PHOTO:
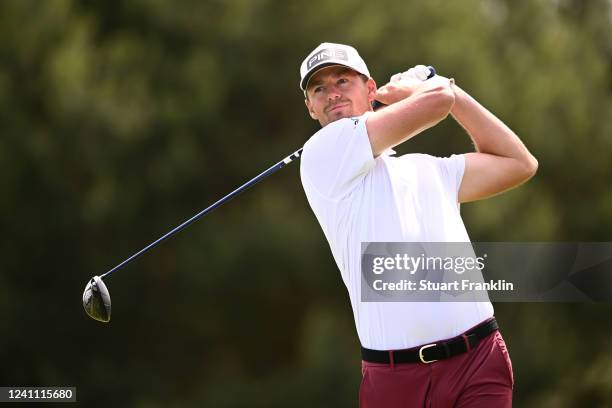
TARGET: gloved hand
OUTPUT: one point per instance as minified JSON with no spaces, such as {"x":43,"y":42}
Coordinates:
{"x":401,"y":85}
{"x":418,"y":72}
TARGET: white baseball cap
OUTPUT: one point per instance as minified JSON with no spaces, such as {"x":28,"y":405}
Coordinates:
{"x":328,"y":54}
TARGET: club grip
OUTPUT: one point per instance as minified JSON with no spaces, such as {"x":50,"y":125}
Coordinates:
{"x":432,"y":72}
{"x":377,"y":104}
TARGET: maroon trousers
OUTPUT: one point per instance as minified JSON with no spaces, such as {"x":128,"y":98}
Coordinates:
{"x":481,"y":377}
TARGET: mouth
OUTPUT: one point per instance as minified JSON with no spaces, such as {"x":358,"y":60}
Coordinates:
{"x":337,"y":107}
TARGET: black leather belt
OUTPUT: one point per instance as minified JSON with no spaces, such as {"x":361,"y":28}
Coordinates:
{"x":429,"y":353}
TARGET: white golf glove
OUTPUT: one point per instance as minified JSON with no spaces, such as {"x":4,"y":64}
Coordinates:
{"x":418,"y":72}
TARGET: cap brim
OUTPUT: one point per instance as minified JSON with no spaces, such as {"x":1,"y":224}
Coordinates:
{"x":309,"y":75}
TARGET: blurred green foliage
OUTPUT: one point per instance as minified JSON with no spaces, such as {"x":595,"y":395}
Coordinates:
{"x":120,"y":119}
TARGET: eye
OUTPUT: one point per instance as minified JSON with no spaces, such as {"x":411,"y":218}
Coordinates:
{"x":317,"y":89}
{"x":342,"y":81}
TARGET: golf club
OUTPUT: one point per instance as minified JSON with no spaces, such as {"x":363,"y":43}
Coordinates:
{"x":96,"y":298}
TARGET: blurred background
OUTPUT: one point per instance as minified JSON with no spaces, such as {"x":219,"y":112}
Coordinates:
{"x":120,"y":119}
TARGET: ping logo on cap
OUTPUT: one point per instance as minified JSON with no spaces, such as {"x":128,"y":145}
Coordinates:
{"x":327,"y":54}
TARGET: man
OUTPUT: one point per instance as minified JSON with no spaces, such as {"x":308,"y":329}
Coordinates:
{"x":414,"y":354}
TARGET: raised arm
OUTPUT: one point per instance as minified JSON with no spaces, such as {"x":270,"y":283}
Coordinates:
{"x":413,"y":108}
{"x":501,"y":162}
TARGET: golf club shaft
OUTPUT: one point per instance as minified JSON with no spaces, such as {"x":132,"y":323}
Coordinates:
{"x":205,"y":211}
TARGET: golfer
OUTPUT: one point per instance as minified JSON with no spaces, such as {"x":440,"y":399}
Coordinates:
{"x":415,"y":354}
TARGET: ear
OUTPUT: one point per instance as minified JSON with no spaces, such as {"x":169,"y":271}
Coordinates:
{"x":371,"y":84}
{"x":310,"y":111}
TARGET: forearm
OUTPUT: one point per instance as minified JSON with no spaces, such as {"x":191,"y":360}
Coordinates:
{"x":489,"y":134}
{"x":410,"y":111}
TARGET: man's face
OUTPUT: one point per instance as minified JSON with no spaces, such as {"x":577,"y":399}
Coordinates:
{"x":338,"y":92}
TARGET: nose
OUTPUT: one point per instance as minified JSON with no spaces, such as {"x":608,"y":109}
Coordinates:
{"x":333,"y":93}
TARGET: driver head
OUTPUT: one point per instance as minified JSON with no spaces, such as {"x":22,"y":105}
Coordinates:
{"x":96,"y":300}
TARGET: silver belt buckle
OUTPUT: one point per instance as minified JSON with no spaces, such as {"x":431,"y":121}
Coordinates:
{"x":421,"y":353}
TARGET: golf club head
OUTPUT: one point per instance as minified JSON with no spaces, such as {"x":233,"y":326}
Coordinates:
{"x":96,"y":300}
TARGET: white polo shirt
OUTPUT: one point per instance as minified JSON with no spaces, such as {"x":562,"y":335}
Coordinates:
{"x":413,"y":198}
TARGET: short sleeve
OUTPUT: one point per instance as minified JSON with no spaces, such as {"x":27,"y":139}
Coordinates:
{"x":451,"y":172}
{"x":336,"y":158}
